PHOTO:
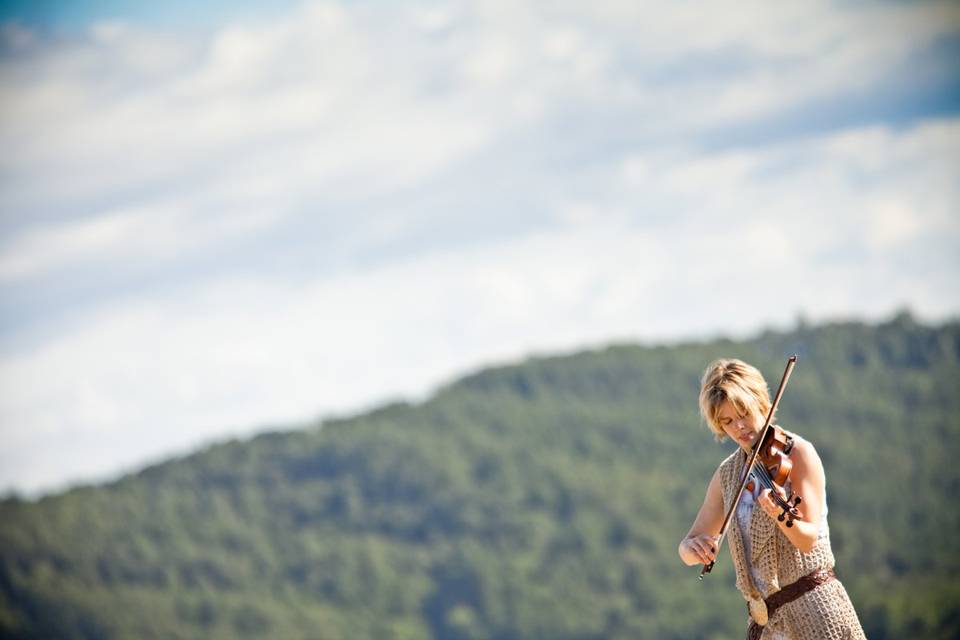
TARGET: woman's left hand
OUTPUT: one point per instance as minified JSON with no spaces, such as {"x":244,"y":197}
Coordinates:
{"x":767,"y":503}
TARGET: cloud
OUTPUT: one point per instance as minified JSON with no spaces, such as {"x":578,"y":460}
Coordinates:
{"x":227,"y":355}
{"x":267,"y":222}
{"x":127,"y":109}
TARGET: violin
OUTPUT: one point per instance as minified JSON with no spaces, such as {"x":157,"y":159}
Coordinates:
{"x":772,"y":469}
{"x":771,"y":453}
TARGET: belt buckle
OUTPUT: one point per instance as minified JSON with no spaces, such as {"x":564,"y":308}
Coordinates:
{"x":758,"y":611}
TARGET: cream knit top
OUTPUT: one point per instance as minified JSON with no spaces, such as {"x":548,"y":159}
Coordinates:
{"x":773,"y":560}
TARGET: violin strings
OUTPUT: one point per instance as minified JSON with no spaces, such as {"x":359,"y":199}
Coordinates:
{"x":762,"y":475}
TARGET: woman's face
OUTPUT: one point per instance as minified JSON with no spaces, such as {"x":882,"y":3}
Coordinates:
{"x":742,"y":429}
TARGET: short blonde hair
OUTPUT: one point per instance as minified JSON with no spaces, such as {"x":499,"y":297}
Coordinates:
{"x":736,"y":381}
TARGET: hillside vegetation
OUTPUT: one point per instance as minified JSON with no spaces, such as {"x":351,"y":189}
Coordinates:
{"x":542,"y":500}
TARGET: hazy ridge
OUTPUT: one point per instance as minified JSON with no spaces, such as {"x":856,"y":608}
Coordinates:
{"x":541,"y":500}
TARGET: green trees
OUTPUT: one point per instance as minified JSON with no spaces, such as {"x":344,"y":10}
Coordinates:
{"x":539,"y":500}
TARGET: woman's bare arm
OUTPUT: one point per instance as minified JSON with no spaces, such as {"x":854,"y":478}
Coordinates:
{"x":700,"y":544}
{"x":809,"y":482}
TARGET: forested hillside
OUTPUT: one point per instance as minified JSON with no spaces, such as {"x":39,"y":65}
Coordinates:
{"x":542,"y":500}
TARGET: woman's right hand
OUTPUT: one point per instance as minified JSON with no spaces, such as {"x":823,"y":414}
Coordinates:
{"x":700,"y":545}
{"x":702,"y":548}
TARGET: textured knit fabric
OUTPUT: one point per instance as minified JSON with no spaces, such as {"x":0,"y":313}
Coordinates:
{"x":744,"y":514}
{"x":824,"y":613}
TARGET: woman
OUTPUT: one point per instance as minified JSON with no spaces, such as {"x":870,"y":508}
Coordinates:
{"x":784,"y":573}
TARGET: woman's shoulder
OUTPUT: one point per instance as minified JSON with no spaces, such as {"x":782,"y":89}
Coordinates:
{"x":804,"y":454}
{"x":801,"y":445}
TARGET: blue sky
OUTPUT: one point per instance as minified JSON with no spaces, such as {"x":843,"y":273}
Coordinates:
{"x":72,"y":16}
{"x":263,"y":213}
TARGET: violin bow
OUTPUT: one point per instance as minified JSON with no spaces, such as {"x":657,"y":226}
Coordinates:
{"x":791,"y":362}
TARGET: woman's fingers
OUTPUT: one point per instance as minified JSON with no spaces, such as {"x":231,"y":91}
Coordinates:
{"x":705,"y":547}
{"x":701,"y":556}
{"x":767,"y":503}
{"x":711,"y":550}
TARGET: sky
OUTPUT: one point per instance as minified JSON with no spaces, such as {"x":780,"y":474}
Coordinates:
{"x":251,"y":216}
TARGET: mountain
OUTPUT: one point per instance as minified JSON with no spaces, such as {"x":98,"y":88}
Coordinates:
{"x":540,"y":500}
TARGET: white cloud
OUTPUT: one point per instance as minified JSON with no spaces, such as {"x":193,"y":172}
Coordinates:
{"x":567,"y":137}
{"x":232,"y":354}
{"x":129,"y":108}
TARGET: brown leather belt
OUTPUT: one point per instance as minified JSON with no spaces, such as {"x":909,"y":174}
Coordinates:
{"x":790,"y":593}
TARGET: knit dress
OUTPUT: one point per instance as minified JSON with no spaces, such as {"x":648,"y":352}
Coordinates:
{"x":825,"y":613}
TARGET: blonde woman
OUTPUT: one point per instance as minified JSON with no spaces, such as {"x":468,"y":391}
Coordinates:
{"x":784,"y":573}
